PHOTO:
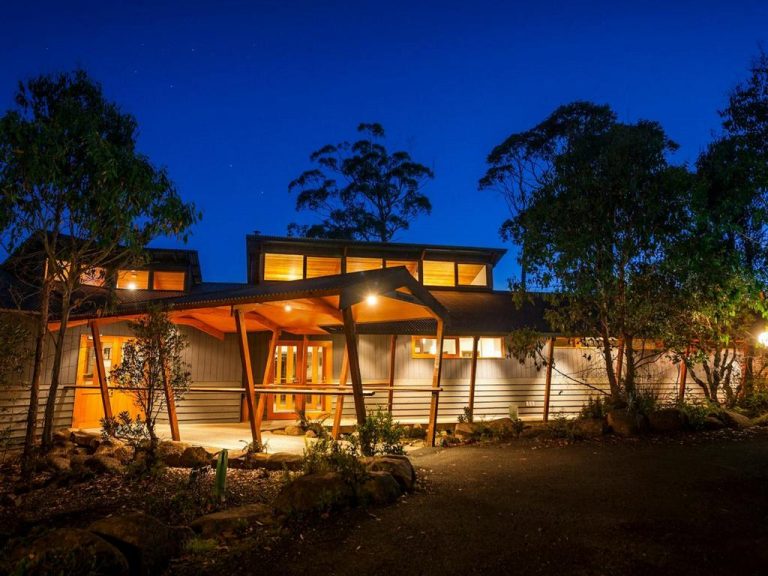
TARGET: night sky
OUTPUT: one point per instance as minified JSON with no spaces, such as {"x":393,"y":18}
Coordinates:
{"x":232,"y":97}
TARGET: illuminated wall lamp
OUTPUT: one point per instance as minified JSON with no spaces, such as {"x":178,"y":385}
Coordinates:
{"x":762,"y":338}
{"x":371,"y":299}
{"x":287,"y":307}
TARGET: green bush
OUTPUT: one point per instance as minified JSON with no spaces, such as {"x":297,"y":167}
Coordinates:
{"x":697,"y":412}
{"x":327,"y":455}
{"x":380,"y":434}
{"x":596,"y":407}
{"x":643,"y":401}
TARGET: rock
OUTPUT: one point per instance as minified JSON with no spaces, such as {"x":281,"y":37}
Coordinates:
{"x":147,"y":543}
{"x":380,"y":488}
{"x":170,"y":452}
{"x":103,"y":464}
{"x":588,"y":427}
{"x":667,"y":420}
{"x":761,"y":420}
{"x":85,"y":439}
{"x":232,"y":519}
{"x":278,"y":432}
{"x":310,"y":434}
{"x":284,"y":460}
{"x":114,"y":449}
{"x":294,"y":431}
{"x":399,"y":467}
{"x":733,"y":419}
{"x":314,"y":493}
{"x":195,"y":457}
{"x":57,"y":463}
{"x":464,"y":430}
{"x":77,"y":462}
{"x":502,"y":426}
{"x":623,"y":423}
{"x":73,"y":552}
{"x":63,"y":436}
{"x":713,"y":423}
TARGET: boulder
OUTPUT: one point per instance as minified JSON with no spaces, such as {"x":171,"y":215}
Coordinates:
{"x":283,"y":461}
{"x":73,"y":552}
{"x":761,"y":420}
{"x":399,"y":467}
{"x":114,"y":449}
{"x":63,"y":436}
{"x":147,"y":543}
{"x":733,"y":419}
{"x":667,"y":420}
{"x":232,"y":519}
{"x":588,"y":427}
{"x":713,"y":423}
{"x":623,"y":423}
{"x":310,"y":434}
{"x":314,"y":493}
{"x":380,"y":488}
{"x":89,"y":440}
{"x":58,"y":464}
{"x":294,"y":431}
{"x":170,"y":452}
{"x":501,"y":426}
{"x":195,"y":457}
{"x":464,"y":430}
{"x":104,"y":464}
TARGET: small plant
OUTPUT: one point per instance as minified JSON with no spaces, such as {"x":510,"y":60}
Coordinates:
{"x":466,"y":417}
{"x":643,"y":401}
{"x":317,"y":425}
{"x":201,"y":546}
{"x":517,"y":423}
{"x":560,"y":427}
{"x":328,"y":455}
{"x":696,"y":413}
{"x":255,"y":447}
{"x":380,"y":434}
{"x":220,"y":482}
{"x":596,"y":407}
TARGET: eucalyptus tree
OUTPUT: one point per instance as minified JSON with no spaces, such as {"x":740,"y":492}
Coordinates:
{"x":76,"y":188}
{"x":361,"y":190}
{"x":597,"y":225}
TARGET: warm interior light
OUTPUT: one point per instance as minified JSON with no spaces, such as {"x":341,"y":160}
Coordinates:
{"x":287,"y":307}
{"x":371,"y":299}
{"x":763,"y":338}
{"x":131,"y":286}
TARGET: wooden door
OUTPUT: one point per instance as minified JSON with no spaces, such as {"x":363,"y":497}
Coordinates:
{"x":89,"y":410}
{"x":318,"y":367}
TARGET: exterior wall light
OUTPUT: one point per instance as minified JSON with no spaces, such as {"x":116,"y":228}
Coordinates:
{"x":762,"y":338}
{"x":372,"y":299}
{"x":287,"y":307}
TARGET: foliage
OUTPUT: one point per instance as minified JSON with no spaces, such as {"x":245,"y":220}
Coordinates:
{"x":220,"y":482}
{"x":124,"y":427}
{"x":526,"y":344}
{"x":327,"y":455}
{"x":559,"y":426}
{"x":73,"y":182}
{"x":696,"y":413}
{"x":377,"y":193}
{"x":148,"y":361}
{"x":380,"y":434}
{"x":643,"y":401}
{"x":517,"y":424}
{"x":466,"y":416}
{"x":317,"y":425}
{"x":201,"y":546}
{"x":254,"y":447}
{"x":595,"y":407}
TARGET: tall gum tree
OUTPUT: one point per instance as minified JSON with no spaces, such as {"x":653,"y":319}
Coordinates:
{"x":74,"y":182}
{"x":361,"y":190}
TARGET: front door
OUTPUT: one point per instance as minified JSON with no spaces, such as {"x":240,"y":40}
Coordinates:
{"x":89,"y":410}
{"x":317,"y":369}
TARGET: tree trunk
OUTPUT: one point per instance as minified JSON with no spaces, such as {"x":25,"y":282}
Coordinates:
{"x":50,"y":404}
{"x":608,"y":357}
{"x":28,"y":456}
{"x":629,"y":354}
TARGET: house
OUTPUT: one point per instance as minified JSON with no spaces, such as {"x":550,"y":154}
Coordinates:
{"x":330,"y":327}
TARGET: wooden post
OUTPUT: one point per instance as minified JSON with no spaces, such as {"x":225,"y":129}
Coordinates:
{"x":100,"y":373}
{"x":340,"y":398}
{"x":245,"y":359}
{"x":301,"y":367}
{"x":620,"y":362}
{"x":354,"y":364}
{"x":268,"y":368}
{"x":473,"y":377}
{"x":392,"y":352}
{"x":436,"y":373}
{"x":548,"y":381}
{"x":170,"y":401}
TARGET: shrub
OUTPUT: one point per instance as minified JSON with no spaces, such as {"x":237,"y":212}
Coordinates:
{"x":517,"y":423}
{"x":643,"y":401}
{"x":755,"y":403}
{"x":696,"y":413}
{"x":596,"y":407}
{"x":560,"y":427}
{"x":328,"y":455}
{"x":466,"y":417}
{"x":380,"y":434}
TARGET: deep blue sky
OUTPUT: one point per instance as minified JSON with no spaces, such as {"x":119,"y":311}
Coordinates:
{"x":232,"y":97}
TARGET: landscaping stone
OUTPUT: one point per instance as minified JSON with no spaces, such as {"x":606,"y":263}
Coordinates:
{"x":114,"y":449}
{"x":380,"y":488}
{"x":170,"y":452}
{"x":73,"y":552}
{"x":147,"y":543}
{"x":464,"y":430}
{"x":63,"y":436}
{"x":58,"y":464}
{"x":761,"y":420}
{"x":284,"y":460}
{"x":314,"y":493}
{"x":195,"y":457}
{"x":104,"y":464}
{"x":85,"y":439}
{"x":294,"y":431}
{"x":667,"y":420}
{"x":232,"y":519}
{"x":588,"y":427}
{"x":713,"y":423}
{"x":501,"y":426}
{"x":310,"y":434}
{"x":623,"y":423}
{"x":399,"y":467}
{"x":733,"y":419}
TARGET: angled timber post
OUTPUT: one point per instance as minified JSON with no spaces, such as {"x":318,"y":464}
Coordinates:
{"x":392,"y":353}
{"x":268,"y":368}
{"x":170,"y":400}
{"x":436,"y":373}
{"x":340,"y":398}
{"x":354,"y":363}
{"x":548,"y":381}
{"x":100,"y":372}
{"x":245,"y":359}
{"x":473,"y":377}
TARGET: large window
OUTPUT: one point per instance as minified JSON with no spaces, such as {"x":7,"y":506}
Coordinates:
{"x":320,"y":266}
{"x":457,"y":347}
{"x":411,"y":265}
{"x":283,"y":266}
{"x":438,"y":273}
{"x":360,"y":264}
{"x":472,"y":275}
{"x":133,"y":279}
{"x":162,"y":280}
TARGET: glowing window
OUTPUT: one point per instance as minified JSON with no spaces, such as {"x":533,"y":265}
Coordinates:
{"x":486,"y":348}
{"x":133,"y":279}
{"x":283,"y":267}
{"x":427,"y":347}
{"x":168,"y":281}
{"x":93,"y":277}
{"x":472,"y":275}
{"x":410,"y":265}
{"x":437,"y":273}
{"x":319,"y":266}
{"x":359,"y":264}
